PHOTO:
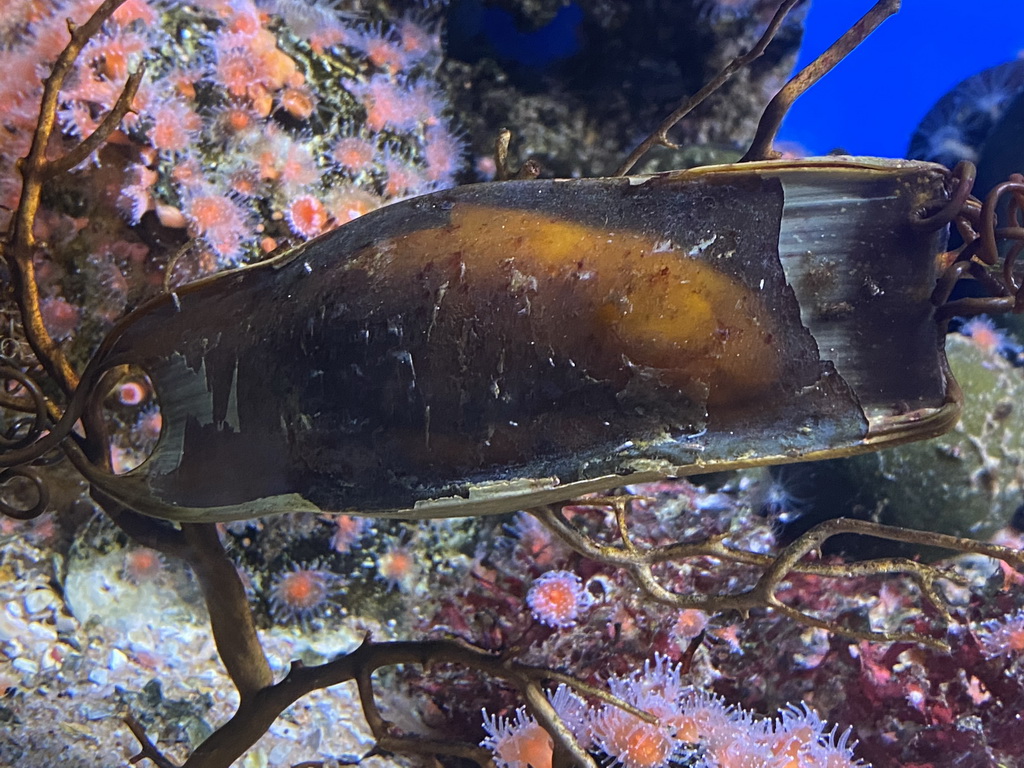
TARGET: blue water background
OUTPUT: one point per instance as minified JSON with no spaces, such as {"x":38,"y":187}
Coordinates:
{"x":871,"y":102}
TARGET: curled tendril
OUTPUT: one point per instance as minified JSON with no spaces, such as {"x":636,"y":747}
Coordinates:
{"x":936,"y":214}
{"x":26,"y":430}
{"x":993,"y":231}
{"x":42,"y":493}
{"x":10,"y":348}
{"x":46,"y":440}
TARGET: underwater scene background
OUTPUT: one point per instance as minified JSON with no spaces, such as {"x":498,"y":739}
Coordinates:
{"x":900,"y":81}
{"x":263,"y":123}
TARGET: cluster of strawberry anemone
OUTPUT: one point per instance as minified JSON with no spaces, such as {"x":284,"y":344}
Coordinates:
{"x":255,"y":123}
{"x":688,"y":723}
